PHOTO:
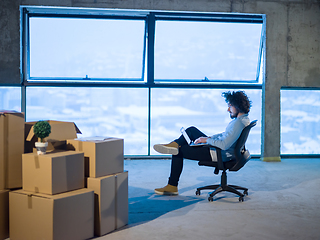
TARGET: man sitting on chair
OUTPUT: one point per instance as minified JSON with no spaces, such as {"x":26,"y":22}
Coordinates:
{"x":238,"y":107}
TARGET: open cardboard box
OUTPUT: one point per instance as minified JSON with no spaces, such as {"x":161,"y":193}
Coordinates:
{"x":11,"y":149}
{"x":60,"y":132}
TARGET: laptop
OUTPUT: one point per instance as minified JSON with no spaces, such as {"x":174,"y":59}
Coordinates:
{"x":191,"y":143}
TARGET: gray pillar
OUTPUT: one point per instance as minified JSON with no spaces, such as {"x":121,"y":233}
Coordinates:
{"x":276,"y":52}
{"x":9,"y":42}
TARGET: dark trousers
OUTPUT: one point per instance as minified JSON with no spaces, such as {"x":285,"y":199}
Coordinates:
{"x":185,"y":151}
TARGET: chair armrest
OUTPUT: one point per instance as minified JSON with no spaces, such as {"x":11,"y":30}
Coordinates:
{"x":219,"y":160}
{"x":218,"y":165}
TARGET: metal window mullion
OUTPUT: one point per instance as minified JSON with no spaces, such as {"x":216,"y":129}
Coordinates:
{"x":149,"y":121}
{"x":150,"y":68}
{"x":24,"y":101}
{"x":260,"y":51}
{"x":25,"y":58}
{"x":150,"y":50}
{"x":144,"y":50}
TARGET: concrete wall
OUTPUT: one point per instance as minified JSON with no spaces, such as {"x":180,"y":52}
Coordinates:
{"x":292,"y":45}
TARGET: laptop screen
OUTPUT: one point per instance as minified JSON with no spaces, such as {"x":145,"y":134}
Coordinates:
{"x":183,"y":131}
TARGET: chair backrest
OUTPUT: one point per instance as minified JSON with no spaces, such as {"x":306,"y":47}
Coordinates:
{"x":242,"y":155}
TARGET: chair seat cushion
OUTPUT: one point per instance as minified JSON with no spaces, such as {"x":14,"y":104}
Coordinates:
{"x":227,"y":165}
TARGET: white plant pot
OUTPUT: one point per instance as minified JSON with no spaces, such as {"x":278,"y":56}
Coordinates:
{"x":41,"y":147}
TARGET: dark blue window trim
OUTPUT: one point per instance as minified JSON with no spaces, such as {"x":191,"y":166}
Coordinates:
{"x":148,"y":55}
{"x":148,"y":51}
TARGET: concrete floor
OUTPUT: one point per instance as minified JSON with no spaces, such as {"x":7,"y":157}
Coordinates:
{"x":283,"y":202}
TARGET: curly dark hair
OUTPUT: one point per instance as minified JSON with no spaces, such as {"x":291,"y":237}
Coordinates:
{"x":239,"y":100}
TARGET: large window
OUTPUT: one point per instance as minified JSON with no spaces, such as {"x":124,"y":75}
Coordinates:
{"x":207,"y":51}
{"x":300,"y":117}
{"x":75,"y":45}
{"x":104,"y":112}
{"x":136,"y":74}
{"x":123,"y":113}
{"x":203,"y":108}
{"x":86,"y":49}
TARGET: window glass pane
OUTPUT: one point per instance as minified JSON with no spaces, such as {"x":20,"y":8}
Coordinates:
{"x":206,"y":109}
{"x":10,"y":98}
{"x":300,"y":117}
{"x":197,"y":50}
{"x":106,"y":112}
{"x":80,"y":48}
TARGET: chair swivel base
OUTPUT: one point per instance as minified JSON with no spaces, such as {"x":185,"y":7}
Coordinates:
{"x":220,"y":188}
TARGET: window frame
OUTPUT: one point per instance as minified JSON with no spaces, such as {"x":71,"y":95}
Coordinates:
{"x":150,"y":17}
{"x":284,"y":154}
{"x":62,"y":80}
{"x":215,"y":17}
{"x":148,"y":67}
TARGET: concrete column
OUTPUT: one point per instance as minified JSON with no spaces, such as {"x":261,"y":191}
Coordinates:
{"x":304,"y":45}
{"x":9,"y":42}
{"x":276,"y":52}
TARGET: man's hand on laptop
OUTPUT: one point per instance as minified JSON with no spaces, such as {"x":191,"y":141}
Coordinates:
{"x":201,"y":140}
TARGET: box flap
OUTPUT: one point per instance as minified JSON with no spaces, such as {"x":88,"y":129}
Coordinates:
{"x":63,"y":122}
{"x":59,"y":131}
{"x":4,"y":112}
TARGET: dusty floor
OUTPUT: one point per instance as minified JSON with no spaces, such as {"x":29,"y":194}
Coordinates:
{"x":283,"y":202}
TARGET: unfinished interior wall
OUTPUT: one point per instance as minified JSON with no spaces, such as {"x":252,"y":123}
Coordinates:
{"x":9,"y":42}
{"x":292,"y":45}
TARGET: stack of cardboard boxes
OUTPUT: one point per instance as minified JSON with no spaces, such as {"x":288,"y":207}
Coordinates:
{"x":53,"y":203}
{"x":105,"y":175}
{"x":75,"y":191}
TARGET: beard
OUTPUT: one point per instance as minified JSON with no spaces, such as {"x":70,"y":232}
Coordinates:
{"x":234,"y":115}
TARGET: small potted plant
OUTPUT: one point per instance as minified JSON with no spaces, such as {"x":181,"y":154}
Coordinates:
{"x":41,"y":129}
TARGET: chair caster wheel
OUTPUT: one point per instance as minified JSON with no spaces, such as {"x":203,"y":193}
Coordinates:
{"x":210,"y":199}
{"x":198,"y":192}
{"x":241,"y":199}
{"x":245,"y":192}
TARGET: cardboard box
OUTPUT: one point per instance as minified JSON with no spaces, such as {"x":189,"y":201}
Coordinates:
{"x":103,"y":156}
{"x":4,"y":214}
{"x":60,"y":132}
{"x":122,"y":207}
{"x":111,"y":202}
{"x":104,"y":204}
{"x":54,"y":172}
{"x":11,"y":149}
{"x":51,"y":217}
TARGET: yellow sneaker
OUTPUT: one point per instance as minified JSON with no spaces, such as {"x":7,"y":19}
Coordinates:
{"x":171,"y":148}
{"x":167,"y":190}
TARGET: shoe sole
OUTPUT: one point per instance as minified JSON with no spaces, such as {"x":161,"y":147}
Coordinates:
{"x":165,"y":150}
{"x":166,"y":193}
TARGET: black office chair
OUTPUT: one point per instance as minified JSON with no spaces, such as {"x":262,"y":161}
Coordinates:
{"x":242,"y":156}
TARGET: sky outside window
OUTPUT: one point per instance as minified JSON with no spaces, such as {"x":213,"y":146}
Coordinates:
{"x":92,"y":48}
{"x":10,"y":98}
{"x":187,"y":50}
{"x":300,"y":118}
{"x":104,"y":112}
